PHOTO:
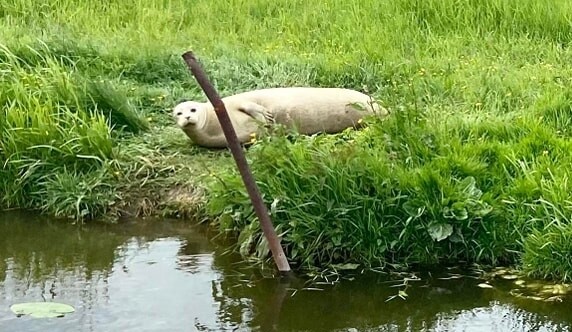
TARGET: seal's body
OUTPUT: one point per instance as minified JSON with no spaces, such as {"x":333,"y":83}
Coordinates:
{"x":313,"y":110}
{"x":304,"y":109}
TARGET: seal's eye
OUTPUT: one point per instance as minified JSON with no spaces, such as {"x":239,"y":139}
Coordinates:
{"x":193,"y":110}
{"x":179,"y":113}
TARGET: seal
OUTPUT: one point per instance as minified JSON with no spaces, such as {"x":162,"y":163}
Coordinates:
{"x":200,"y":123}
{"x":307,"y":110}
{"x":311,"y":110}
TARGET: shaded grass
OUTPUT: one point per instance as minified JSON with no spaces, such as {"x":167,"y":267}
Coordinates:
{"x":479,"y":90}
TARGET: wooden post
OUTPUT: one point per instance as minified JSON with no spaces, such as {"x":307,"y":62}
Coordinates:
{"x":241,"y":163}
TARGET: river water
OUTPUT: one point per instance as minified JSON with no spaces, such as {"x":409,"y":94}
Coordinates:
{"x":161,"y":275}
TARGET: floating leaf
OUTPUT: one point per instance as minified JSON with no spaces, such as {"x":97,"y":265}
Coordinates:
{"x":451,"y":276}
{"x":483,"y":285}
{"x":536,"y":298}
{"x":440,"y":232}
{"x":560,"y":289}
{"x":347,"y":266}
{"x":41,"y":309}
{"x":534,"y":285}
{"x":553,"y":289}
{"x":509,"y":276}
{"x":553,"y":299}
{"x":519,"y":282}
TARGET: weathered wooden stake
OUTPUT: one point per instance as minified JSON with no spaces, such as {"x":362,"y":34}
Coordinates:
{"x":240,"y":159}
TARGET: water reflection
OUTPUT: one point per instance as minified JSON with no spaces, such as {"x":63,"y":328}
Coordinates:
{"x":168,"y":276}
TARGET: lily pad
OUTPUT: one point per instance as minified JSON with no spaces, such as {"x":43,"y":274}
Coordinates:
{"x":41,"y":309}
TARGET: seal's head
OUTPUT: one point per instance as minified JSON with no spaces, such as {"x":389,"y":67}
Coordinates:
{"x":189,"y":113}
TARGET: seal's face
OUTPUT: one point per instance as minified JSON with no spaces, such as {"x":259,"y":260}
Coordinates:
{"x":188,"y":113}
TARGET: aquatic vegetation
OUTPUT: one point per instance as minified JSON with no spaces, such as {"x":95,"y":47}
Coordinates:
{"x":517,"y":284}
{"x":42,"y":309}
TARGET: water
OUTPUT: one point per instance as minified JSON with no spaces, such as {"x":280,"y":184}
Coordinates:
{"x":168,"y":276}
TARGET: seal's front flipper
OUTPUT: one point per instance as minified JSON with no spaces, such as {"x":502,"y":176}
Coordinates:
{"x":258,"y":112}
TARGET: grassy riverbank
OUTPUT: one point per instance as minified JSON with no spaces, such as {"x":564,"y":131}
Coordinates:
{"x":473,"y":164}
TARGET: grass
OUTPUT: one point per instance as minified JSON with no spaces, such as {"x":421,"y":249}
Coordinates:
{"x":476,"y":148}
{"x":546,"y":250}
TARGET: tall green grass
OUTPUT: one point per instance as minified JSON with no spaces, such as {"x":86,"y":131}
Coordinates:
{"x":411,"y":189}
{"x":547,"y":250}
{"x":56,"y":132}
{"x":478,"y":140}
